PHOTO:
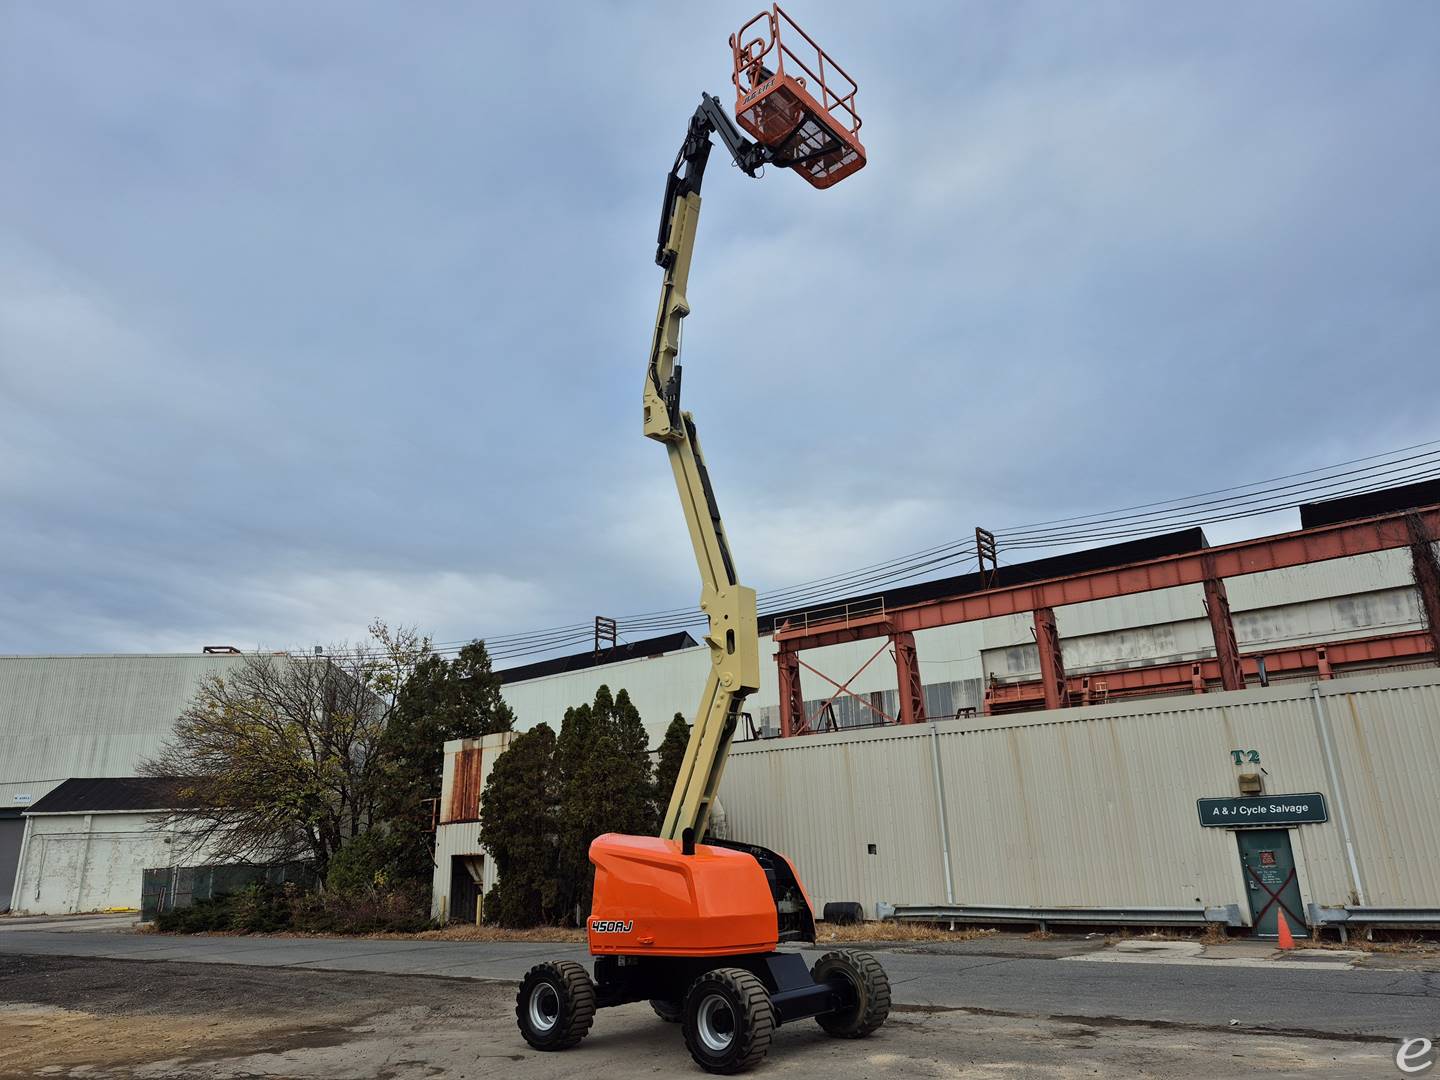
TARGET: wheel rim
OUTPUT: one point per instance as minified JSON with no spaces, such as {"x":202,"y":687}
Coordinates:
{"x":845,"y":980}
{"x":715,"y":1023}
{"x":544,"y":1007}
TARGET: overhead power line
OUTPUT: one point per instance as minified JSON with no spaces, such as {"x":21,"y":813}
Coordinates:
{"x":1409,"y":464}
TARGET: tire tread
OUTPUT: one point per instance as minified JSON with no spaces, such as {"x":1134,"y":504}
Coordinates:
{"x":759,"y":1019}
{"x":579,"y":994}
{"x":874,"y":990}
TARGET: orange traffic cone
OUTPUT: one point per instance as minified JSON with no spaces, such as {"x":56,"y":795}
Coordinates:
{"x":1287,"y":939}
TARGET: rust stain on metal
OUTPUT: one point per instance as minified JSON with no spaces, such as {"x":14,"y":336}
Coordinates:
{"x":465,"y":788}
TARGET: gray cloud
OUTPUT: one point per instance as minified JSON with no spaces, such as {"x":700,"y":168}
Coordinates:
{"x":312,"y":314}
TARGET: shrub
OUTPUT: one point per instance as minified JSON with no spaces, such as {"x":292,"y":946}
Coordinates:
{"x":363,"y":865}
{"x":264,"y":909}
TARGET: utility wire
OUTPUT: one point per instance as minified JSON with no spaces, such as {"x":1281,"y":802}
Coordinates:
{"x":1237,"y":502}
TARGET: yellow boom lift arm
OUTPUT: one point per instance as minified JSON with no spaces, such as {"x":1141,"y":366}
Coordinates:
{"x":733,"y":635}
{"x":696,"y":928}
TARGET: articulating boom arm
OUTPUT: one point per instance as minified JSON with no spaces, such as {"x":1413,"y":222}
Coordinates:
{"x":733,"y":635}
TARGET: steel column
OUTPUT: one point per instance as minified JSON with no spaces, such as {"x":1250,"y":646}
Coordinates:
{"x":1426,"y":570}
{"x":792,"y":701}
{"x":907,"y":678}
{"x":1222,"y":628}
{"x":1052,"y":665}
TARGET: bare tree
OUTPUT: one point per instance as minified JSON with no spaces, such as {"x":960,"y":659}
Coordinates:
{"x":281,"y":756}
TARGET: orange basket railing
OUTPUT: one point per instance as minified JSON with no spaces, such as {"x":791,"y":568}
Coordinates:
{"x":770,"y":53}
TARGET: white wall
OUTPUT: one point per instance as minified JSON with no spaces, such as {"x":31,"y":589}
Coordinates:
{"x":92,"y":862}
{"x":1096,"y":806}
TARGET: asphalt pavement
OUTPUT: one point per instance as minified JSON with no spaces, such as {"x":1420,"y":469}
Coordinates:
{"x":1011,"y":976}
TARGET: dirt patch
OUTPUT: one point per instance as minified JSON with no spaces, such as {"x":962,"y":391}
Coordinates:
{"x":58,"y":1012}
{"x":159,"y":1020}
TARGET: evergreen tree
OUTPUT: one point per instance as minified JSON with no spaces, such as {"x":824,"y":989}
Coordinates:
{"x":441,"y":700}
{"x":672,"y":754}
{"x":603,"y":764}
{"x":518,"y":828}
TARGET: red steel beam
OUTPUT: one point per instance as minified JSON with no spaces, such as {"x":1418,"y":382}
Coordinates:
{"x":907,"y":678}
{"x":1425,"y":569}
{"x":1231,"y":560}
{"x":1222,"y":629}
{"x":1052,"y":664}
{"x":1136,"y":682}
{"x":792,"y":701}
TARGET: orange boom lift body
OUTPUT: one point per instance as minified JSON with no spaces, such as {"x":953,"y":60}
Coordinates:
{"x":700,"y":930}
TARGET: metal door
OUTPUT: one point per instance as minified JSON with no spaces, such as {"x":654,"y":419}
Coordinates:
{"x":464,"y":892}
{"x":1270,"y":881}
{"x":12,"y":831}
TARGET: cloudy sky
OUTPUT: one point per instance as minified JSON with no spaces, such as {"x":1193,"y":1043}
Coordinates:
{"x":316,"y":313}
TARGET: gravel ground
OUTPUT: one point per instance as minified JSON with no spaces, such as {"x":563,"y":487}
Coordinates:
{"x":74,"y":1017}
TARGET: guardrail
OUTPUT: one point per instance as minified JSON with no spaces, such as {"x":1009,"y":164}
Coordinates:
{"x":1227,"y":915}
{"x":1342,"y":918}
{"x":867,"y":612}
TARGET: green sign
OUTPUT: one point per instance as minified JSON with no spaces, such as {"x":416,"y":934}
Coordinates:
{"x":1307,"y":809}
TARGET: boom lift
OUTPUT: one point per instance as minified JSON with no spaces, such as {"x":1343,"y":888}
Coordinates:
{"x":694,"y":927}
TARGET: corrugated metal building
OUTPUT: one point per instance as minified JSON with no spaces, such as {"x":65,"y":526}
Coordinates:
{"x":71,"y":716}
{"x":1088,"y":808}
{"x":1097,"y":807}
{"x":463,"y":872}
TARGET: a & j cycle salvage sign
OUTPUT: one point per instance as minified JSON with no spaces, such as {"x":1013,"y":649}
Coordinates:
{"x":1229,"y":812}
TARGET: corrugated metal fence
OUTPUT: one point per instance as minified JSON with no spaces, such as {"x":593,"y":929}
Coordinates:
{"x":1096,"y":807}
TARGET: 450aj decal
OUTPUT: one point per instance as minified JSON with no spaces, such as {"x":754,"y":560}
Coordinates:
{"x":611,"y":926}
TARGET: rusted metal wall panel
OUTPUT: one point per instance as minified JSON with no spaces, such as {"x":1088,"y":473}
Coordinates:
{"x":463,"y":803}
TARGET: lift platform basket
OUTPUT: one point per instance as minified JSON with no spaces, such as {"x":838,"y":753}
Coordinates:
{"x":790,"y":96}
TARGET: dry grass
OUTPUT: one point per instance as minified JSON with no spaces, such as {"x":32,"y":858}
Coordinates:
{"x":558,"y":934}
{"x":568,"y":935}
{"x":1214,"y":934}
{"x":1395,"y":946}
{"x":825,"y":933}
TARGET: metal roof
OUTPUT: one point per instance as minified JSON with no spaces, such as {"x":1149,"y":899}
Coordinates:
{"x":1370,"y":504}
{"x":101,"y":794}
{"x":637,"y":650}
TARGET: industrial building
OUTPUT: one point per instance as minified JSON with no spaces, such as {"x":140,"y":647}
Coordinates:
{"x":1352,"y":590}
{"x":1117,"y":642}
{"x":1041,"y":742}
{"x":1131,"y":812}
{"x":463,"y":873}
{"x":86,"y":843}
{"x":64,"y":717}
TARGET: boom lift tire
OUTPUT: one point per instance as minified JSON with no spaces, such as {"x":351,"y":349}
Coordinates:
{"x":728,"y":1020}
{"x":556,"y":1005}
{"x":672,"y":1012}
{"x":871,"y":987}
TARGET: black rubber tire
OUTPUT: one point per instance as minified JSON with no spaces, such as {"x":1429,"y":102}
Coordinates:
{"x":672,"y":1012}
{"x":746,"y":1002}
{"x":872,"y":993}
{"x":573,"y":1004}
